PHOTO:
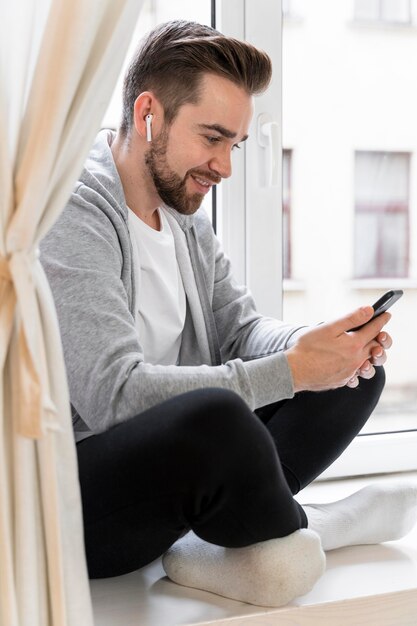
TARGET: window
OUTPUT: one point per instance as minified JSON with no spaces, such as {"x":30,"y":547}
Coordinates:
{"x":349,"y":117}
{"x":291,"y":9}
{"x":381,"y":214}
{"x":286,"y":213}
{"x":395,"y":11}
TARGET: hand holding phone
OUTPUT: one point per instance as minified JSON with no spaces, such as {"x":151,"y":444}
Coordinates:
{"x":382,"y":305}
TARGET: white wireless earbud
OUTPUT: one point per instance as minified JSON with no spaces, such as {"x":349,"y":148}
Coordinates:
{"x":148,"y":120}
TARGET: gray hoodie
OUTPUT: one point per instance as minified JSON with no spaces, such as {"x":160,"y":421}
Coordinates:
{"x":90,"y":263}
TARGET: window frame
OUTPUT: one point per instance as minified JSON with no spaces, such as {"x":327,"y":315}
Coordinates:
{"x":250,"y":212}
{"x":286,"y":8}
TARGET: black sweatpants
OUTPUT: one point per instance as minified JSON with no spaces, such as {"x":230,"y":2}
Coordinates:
{"x":203,"y":461}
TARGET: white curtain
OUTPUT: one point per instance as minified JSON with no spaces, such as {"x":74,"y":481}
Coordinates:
{"x":59,"y":61}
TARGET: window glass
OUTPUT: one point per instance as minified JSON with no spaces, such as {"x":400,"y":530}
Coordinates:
{"x":366,"y":245}
{"x":349,"y":117}
{"x":381,"y":203}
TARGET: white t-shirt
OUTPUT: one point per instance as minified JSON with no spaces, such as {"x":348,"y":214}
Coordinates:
{"x":162,"y":306}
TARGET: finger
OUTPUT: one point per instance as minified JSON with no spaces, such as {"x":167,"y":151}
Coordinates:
{"x":385,"y":340}
{"x":378,"y":356}
{"x":368,"y":372}
{"x":373,"y":328}
{"x":356,"y":318}
{"x":366,"y":365}
{"x":353,"y":382}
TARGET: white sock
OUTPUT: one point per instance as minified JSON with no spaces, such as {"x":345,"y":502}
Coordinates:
{"x":270,"y":573}
{"x":380,"y":512}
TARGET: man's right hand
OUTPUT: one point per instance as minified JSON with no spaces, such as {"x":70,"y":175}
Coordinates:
{"x":329,"y":356}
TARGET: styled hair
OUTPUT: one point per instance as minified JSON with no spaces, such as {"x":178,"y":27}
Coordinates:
{"x":173,"y":58}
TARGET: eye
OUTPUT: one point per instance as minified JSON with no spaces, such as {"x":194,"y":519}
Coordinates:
{"x":236,"y":146}
{"x":213,"y":139}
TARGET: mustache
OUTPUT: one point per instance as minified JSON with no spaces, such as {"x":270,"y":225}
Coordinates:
{"x":213,"y":178}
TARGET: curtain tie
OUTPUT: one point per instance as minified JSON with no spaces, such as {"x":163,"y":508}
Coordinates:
{"x":30,"y":399}
{"x":4,"y":269}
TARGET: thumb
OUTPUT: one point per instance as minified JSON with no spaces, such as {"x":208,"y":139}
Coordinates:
{"x":354,"y":319}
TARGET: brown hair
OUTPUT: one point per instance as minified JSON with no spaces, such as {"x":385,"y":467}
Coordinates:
{"x":173,"y":58}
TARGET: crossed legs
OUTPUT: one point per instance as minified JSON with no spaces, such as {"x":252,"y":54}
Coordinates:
{"x":204,"y":462}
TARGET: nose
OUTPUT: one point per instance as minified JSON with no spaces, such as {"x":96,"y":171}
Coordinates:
{"x":221,"y":164}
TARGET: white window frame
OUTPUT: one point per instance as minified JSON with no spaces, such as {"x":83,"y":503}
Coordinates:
{"x":250,"y":225}
{"x":250,"y":214}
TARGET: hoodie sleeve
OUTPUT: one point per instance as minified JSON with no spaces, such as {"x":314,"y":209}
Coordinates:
{"x":109,"y":381}
{"x":242,"y":331}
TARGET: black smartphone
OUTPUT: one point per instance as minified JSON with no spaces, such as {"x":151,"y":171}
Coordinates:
{"x":383,"y":304}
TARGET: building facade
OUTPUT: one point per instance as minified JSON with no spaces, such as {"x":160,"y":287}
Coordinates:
{"x":350,"y":171}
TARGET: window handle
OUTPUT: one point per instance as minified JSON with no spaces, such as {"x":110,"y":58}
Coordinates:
{"x":268,"y":138}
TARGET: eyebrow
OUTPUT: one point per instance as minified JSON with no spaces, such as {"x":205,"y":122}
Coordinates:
{"x":222,"y":130}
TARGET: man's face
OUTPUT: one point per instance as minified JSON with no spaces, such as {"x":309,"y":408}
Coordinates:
{"x":193,"y":153}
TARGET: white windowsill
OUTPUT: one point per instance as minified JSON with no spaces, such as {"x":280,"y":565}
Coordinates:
{"x":363,"y":585}
{"x":376,"y":454}
{"x":290,"y":284}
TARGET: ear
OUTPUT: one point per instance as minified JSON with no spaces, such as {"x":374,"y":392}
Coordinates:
{"x":146,"y":104}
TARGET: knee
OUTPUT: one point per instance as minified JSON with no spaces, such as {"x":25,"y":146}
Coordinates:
{"x":224,"y":426}
{"x":219,"y":411}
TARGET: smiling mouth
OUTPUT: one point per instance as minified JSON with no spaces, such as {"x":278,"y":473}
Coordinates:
{"x":206,"y":182}
{"x":202,"y":182}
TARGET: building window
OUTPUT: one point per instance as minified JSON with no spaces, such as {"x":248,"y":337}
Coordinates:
{"x":381,"y":214}
{"x":393,"y":11}
{"x":286,"y":206}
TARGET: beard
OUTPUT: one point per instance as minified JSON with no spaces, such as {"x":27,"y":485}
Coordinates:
{"x":170,"y":186}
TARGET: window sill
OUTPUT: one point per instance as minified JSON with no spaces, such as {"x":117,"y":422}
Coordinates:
{"x":292,"y":285}
{"x":289,"y":284}
{"x":363,"y":585}
{"x":364,"y":24}
{"x":382,"y":283}
{"x":376,"y":454}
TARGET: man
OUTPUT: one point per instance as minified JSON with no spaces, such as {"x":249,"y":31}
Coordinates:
{"x":191,"y":411}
